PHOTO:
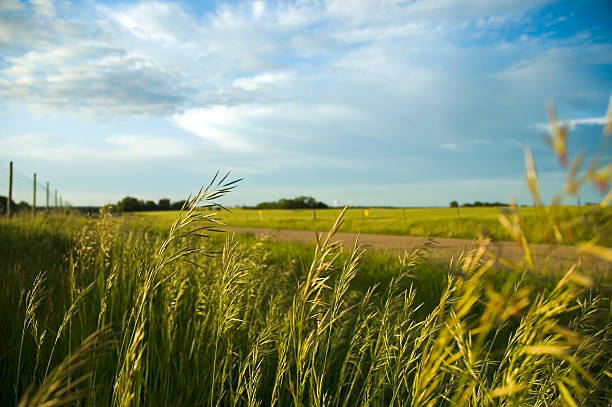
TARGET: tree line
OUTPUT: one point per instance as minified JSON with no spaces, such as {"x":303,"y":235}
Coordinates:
{"x":476,"y":204}
{"x":15,"y":206}
{"x":300,"y":202}
{"x":131,"y":204}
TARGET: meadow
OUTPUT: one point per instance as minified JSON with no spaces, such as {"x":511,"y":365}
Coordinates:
{"x":577,"y":222}
{"x":125,"y":311}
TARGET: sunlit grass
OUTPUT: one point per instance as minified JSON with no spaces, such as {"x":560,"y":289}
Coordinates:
{"x":439,"y":222}
{"x":268,"y":323}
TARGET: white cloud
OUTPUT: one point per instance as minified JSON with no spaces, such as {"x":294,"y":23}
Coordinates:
{"x":154,"y":21}
{"x":22,"y":31}
{"x":265,"y":128}
{"x":116,"y":147}
{"x":221,"y":124}
{"x":11,"y":5}
{"x":450,"y":146}
{"x":259,"y":7}
{"x":309,"y":45}
{"x":139,"y":146}
{"x":154,"y":58}
{"x":589,"y":121}
{"x":96,"y":81}
{"x":573,"y":123}
{"x":37,"y":146}
{"x":44,"y":8}
{"x":554,"y":64}
{"x":271,"y":78}
{"x":381,"y":33}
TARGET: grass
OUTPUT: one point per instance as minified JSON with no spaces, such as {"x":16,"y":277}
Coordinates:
{"x":440,"y":222}
{"x":123,"y":312}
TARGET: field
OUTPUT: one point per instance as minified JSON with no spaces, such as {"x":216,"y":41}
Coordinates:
{"x":140,"y":310}
{"x":576,"y":222}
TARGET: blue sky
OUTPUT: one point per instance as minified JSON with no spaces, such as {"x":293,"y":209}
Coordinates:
{"x":370,"y":102}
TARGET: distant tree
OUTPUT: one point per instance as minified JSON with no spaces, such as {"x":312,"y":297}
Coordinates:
{"x":454,"y":204}
{"x":300,"y":202}
{"x":177,"y":205}
{"x":129,"y":204}
{"x":3,"y":201}
{"x":23,"y":205}
{"x":164,"y":204}
{"x":150,"y":206}
{"x":483,"y":204}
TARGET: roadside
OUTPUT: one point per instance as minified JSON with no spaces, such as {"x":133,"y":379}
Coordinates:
{"x":548,"y":257}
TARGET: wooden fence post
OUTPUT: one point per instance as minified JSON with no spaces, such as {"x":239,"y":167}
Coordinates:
{"x":10,"y":191}
{"x":34,"y":197}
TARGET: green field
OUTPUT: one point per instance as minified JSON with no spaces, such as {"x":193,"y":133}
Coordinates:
{"x":576,"y":222}
{"x":126,"y":311}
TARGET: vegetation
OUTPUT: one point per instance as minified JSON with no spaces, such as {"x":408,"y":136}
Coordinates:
{"x":578,"y":223}
{"x":477,"y":204}
{"x":300,"y":202}
{"x":131,"y":204}
{"x":130,"y":318}
{"x":15,"y":207}
{"x":121,"y":311}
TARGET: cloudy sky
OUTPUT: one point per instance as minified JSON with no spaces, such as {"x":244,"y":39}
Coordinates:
{"x":373,"y":102}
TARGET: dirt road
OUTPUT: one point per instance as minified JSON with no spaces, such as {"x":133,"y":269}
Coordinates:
{"x":547,"y":256}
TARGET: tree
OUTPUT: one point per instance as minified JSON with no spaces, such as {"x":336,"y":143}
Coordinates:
{"x":129,"y":204}
{"x":150,"y":206}
{"x":177,"y":205}
{"x":300,"y":202}
{"x":455,"y":204}
{"x":164,"y":204}
{"x":3,"y":201}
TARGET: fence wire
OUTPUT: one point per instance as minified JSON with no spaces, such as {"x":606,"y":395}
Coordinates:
{"x":25,"y":191}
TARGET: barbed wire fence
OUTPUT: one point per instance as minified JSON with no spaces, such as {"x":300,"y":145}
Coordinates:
{"x":27,"y":192}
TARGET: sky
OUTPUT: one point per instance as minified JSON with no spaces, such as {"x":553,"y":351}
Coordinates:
{"x":389,"y":102}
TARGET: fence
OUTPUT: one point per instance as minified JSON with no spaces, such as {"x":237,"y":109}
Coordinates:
{"x":25,"y":193}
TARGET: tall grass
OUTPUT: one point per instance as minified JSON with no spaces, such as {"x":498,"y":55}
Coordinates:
{"x":99,"y":311}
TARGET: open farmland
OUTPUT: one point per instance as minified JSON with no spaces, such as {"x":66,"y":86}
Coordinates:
{"x":580,"y":223}
{"x":130,"y":311}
